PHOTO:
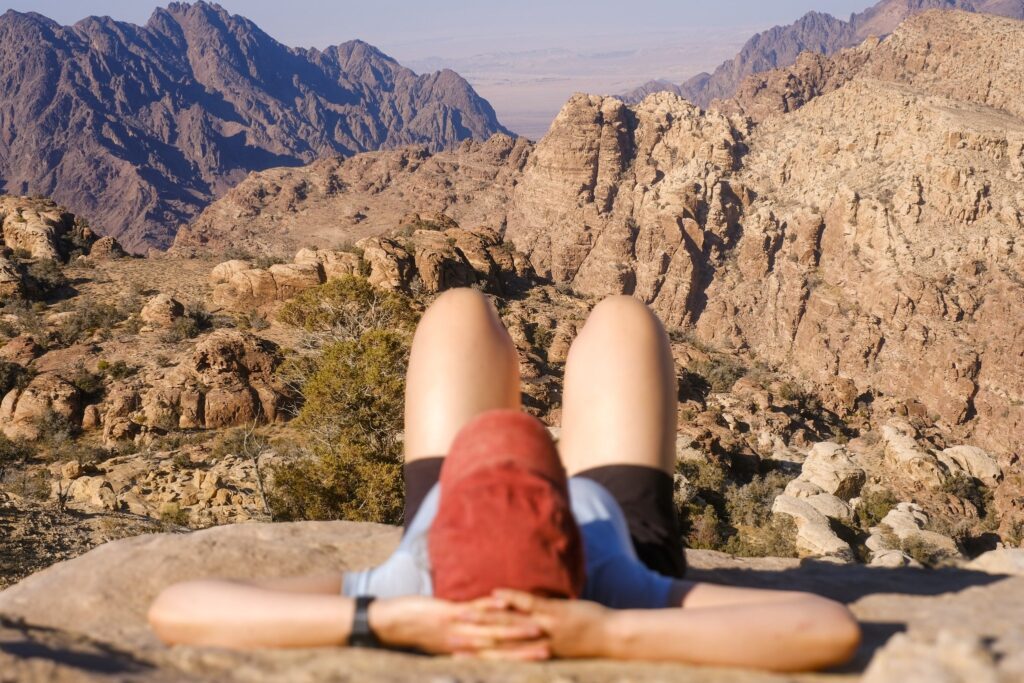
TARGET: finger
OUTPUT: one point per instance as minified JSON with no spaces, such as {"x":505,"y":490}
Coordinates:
{"x":494,"y":618}
{"x":484,"y":636}
{"x":517,"y":600}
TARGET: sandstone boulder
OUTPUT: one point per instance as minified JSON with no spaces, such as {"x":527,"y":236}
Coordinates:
{"x":903,"y":454}
{"x":829,"y":468}
{"x":227,"y":381}
{"x":815,"y":537}
{"x":31,"y":228}
{"x":223,"y":272}
{"x":1009,"y":561}
{"x":161,"y":311}
{"x":22,"y":349}
{"x":102,"y":622}
{"x":106,"y":248}
{"x":10,"y":279}
{"x":907,"y":522}
{"x":335,"y":264}
{"x":391,"y":265}
{"x":973,"y":462}
{"x":22,"y":410}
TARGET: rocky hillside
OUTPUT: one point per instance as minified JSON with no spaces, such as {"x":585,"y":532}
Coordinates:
{"x":721,"y":223}
{"x":815,"y":32}
{"x":139,"y":127}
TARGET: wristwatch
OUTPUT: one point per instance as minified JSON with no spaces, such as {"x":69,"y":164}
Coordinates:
{"x":361,"y":634}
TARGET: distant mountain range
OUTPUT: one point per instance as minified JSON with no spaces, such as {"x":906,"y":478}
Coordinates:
{"x":140,"y":127}
{"x":815,"y":32}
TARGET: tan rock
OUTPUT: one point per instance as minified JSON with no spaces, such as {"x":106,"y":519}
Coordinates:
{"x":21,"y":411}
{"x":907,"y":522}
{"x":22,"y":349}
{"x":106,"y":248}
{"x":973,"y":462}
{"x":1006,"y":561}
{"x":391,"y":266}
{"x":121,"y":578}
{"x":92,"y":418}
{"x":292,"y":278}
{"x":829,"y":467}
{"x":905,"y":456}
{"x":223,"y":272}
{"x":11,"y":284}
{"x":815,"y":537}
{"x":162,"y":310}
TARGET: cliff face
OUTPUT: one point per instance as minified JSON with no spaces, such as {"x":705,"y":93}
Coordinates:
{"x":139,"y":127}
{"x":861,"y":229}
{"x":815,"y":32}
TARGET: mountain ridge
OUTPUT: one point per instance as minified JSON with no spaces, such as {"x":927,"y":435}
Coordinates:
{"x":139,"y":127}
{"x":818,"y":32}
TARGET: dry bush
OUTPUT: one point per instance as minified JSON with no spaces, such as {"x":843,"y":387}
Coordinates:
{"x":350,"y":385}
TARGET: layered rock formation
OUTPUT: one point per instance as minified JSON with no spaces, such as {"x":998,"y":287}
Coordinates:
{"x":832,"y":238}
{"x":140,"y":127}
{"x":333,"y":203}
{"x":817,"y":33}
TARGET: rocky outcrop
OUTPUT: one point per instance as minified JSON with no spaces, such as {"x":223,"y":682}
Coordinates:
{"x":161,"y":311}
{"x":815,"y":33}
{"x":227,"y":380}
{"x":103,"y":621}
{"x":141,"y":126}
{"x":336,"y":202}
{"x":37,"y":229}
{"x":23,"y":411}
{"x":436,"y":255}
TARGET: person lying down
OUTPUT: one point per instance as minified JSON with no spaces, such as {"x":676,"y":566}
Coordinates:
{"x":515,"y":548}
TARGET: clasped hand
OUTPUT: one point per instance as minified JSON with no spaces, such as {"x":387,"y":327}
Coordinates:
{"x":508,"y":625}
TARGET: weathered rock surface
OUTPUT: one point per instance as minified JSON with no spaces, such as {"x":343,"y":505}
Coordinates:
{"x":870,"y":244}
{"x":161,"y":311}
{"x":343,"y":201}
{"x":23,"y":411}
{"x":97,"y":632}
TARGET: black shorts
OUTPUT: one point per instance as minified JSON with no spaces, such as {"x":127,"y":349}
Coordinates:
{"x":643,"y":493}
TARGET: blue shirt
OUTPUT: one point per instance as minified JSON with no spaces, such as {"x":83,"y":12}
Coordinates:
{"x":615,"y":575}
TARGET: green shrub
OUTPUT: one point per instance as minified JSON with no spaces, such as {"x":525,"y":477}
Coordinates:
{"x":707,"y":475}
{"x":704,"y":530}
{"x":45,"y":276}
{"x":13,"y":376}
{"x":720,"y":372}
{"x":874,"y":506}
{"x":751,"y":505}
{"x":352,"y":414}
{"x":347,"y":307}
{"x":12,"y":453}
{"x":776,"y":538}
{"x":86,"y":321}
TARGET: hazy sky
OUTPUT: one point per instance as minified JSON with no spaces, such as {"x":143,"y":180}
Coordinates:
{"x":525,"y":56}
{"x":389,"y":22}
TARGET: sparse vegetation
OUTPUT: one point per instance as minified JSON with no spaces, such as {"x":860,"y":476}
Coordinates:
{"x":351,"y":387}
{"x":720,"y":372}
{"x":734,"y":517}
{"x":874,"y":506}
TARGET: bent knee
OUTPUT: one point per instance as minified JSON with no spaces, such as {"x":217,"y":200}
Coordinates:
{"x":461,"y":306}
{"x":622,"y":318}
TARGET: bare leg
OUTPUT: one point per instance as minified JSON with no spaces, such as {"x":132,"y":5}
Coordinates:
{"x":619,"y":402}
{"x":462,"y":363}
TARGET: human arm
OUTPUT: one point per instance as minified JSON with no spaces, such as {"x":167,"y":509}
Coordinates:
{"x":235,"y":614}
{"x":784,"y":632}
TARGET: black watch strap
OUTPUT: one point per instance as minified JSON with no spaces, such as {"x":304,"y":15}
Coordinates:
{"x":362,"y":635}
